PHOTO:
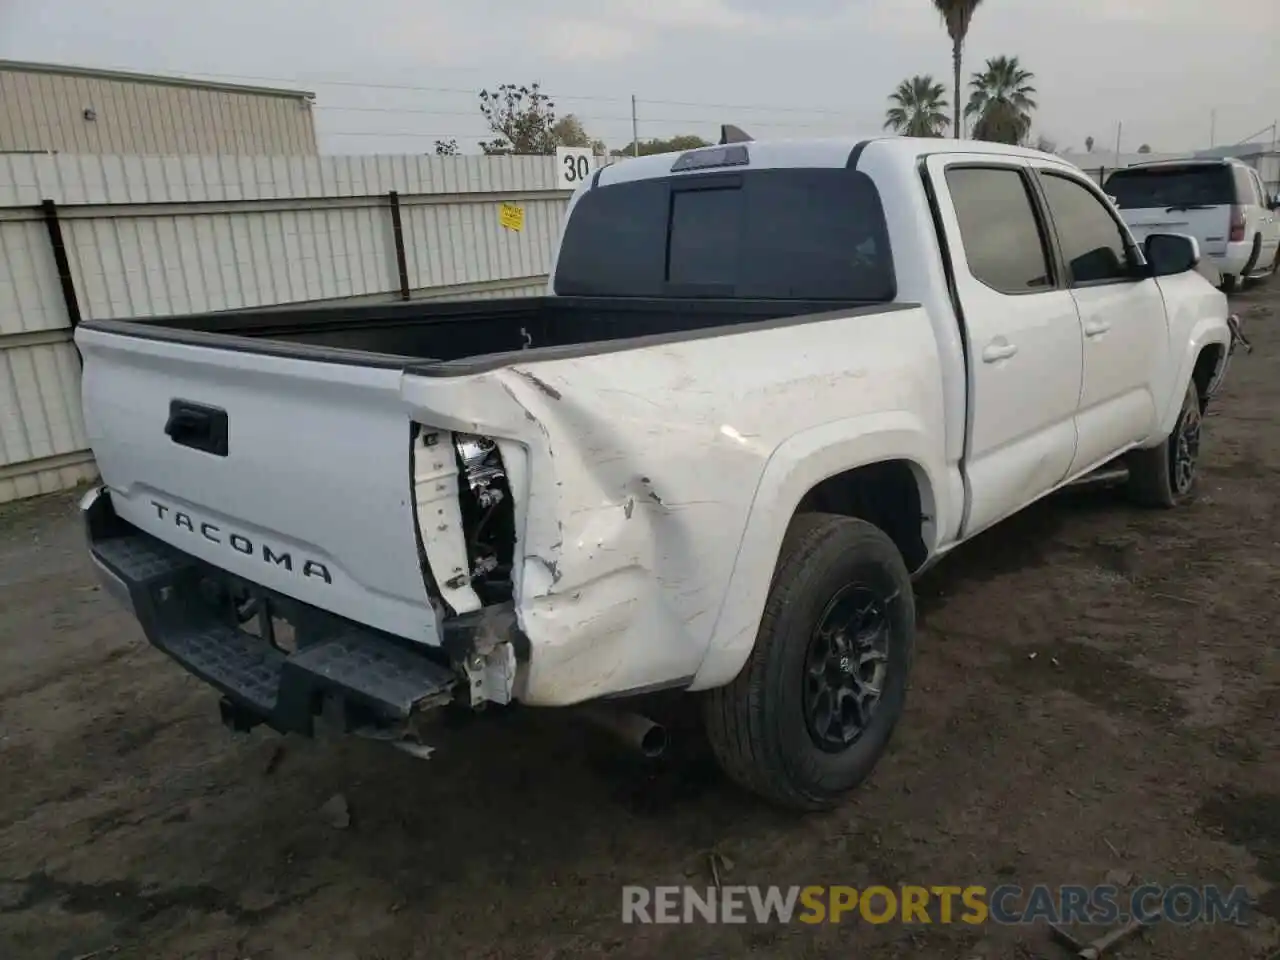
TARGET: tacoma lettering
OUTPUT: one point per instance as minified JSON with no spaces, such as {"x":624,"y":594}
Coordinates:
{"x":311,"y":569}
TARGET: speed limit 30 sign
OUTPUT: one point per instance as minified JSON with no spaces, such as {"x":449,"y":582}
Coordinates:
{"x":573,"y":165}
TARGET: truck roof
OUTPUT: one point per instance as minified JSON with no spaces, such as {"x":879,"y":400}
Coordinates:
{"x":813,"y":152}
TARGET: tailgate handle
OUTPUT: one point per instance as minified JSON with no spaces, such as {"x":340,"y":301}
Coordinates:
{"x":197,"y":426}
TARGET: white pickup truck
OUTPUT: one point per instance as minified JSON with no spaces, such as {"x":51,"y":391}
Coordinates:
{"x":769,"y":384}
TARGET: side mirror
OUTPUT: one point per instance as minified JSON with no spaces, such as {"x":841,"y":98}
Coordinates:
{"x":1169,"y":254}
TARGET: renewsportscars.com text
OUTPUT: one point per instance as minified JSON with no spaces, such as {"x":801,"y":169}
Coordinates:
{"x":972,"y":905}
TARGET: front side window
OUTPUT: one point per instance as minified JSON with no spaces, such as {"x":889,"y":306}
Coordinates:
{"x":1002,"y":240}
{"x":1092,"y":242}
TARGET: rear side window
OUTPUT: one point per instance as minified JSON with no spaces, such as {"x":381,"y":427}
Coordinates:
{"x":998,"y":226}
{"x":1195,"y":185}
{"x":784,"y":234}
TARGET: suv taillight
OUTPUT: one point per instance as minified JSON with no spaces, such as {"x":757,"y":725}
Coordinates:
{"x":1237,"y":224}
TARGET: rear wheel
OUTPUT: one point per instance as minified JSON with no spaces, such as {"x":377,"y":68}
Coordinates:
{"x":1165,"y":476}
{"x":817,"y":702}
{"x":1230,"y":283}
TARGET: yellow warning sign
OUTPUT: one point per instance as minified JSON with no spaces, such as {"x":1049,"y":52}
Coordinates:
{"x":511,"y":216}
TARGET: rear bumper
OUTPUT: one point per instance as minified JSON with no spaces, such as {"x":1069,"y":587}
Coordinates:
{"x":378,"y":680}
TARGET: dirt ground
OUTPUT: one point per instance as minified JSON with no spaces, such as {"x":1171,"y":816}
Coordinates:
{"x":1096,"y":693}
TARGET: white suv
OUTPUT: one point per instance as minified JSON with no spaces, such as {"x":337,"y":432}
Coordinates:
{"x":1222,"y":203}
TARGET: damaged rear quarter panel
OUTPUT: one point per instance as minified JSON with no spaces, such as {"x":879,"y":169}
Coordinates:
{"x":639,"y":469}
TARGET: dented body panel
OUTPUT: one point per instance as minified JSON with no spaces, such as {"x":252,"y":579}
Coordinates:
{"x":644,"y":466}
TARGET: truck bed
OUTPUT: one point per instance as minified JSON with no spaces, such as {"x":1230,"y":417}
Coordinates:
{"x":468,"y":335}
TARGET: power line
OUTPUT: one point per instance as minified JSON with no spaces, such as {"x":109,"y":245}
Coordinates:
{"x":414,"y":133}
{"x":600,"y":118}
{"x":739,"y":106}
{"x":472,"y":91}
{"x":340,"y":108}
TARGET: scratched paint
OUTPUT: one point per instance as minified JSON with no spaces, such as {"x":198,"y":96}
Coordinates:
{"x":639,"y":496}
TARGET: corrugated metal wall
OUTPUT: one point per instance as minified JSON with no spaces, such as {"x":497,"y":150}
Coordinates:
{"x":153,"y":236}
{"x":45,"y":111}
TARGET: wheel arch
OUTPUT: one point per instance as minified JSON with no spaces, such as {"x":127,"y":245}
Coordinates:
{"x":1204,"y":360}
{"x":884,"y":464}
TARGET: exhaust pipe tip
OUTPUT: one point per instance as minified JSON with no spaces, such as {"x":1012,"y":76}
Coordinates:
{"x":653,"y":743}
{"x":633,"y":730}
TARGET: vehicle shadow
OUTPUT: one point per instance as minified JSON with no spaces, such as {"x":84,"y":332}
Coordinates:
{"x":1022,"y":542}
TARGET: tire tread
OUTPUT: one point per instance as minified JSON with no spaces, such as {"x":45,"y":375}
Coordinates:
{"x":734,"y":719}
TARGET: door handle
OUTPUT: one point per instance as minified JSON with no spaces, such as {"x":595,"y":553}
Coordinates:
{"x":197,"y":426}
{"x":1096,"y":328}
{"x":997,"y":351}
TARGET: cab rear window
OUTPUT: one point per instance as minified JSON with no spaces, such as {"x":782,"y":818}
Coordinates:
{"x":780,"y":234}
{"x":1194,"y":185}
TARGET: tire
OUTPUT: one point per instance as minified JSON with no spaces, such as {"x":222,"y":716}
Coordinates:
{"x":1164,"y":476}
{"x":762,"y":727}
{"x":1230,"y":283}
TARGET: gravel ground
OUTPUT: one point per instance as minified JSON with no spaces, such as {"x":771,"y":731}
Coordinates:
{"x":1096,"y":695}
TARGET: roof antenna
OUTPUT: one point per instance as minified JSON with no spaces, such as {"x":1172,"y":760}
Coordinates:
{"x":731,"y":134}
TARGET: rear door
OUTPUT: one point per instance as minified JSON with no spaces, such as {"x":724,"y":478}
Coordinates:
{"x":1193,"y":198}
{"x":1126,"y":334}
{"x":1023,"y":334}
{"x":291,"y":473}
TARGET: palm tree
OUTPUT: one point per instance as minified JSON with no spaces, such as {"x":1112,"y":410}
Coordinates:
{"x":919,"y":108}
{"x":1001,"y":99}
{"x":957,"y":15}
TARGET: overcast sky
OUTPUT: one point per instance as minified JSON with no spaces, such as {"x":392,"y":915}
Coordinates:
{"x":807,"y":67}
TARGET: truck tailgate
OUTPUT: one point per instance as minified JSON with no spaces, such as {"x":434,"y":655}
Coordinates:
{"x":292,"y":473}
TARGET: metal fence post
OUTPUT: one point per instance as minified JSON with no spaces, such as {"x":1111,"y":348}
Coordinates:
{"x":397,"y":229}
{"x":50,"y":210}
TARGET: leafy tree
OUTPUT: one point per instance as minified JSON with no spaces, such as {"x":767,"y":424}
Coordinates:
{"x":1001,"y":100}
{"x":522,"y":118}
{"x":676,"y":144}
{"x":1088,"y":144}
{"x":957,"y":15}
{"x":919,"y":108}
{"x":569,"y":132}
{"x":446,"y":148}
{"x":1046,"y":145}
{"x":1145,"y":148}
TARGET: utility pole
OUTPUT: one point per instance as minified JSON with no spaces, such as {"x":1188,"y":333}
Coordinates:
{"x":1119,"y":132}
{"x":635,"y":129}
{"x":1213,"y":128}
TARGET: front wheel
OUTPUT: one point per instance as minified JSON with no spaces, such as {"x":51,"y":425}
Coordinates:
{"x":815,"y":705}
{"x":1165,"y":476}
